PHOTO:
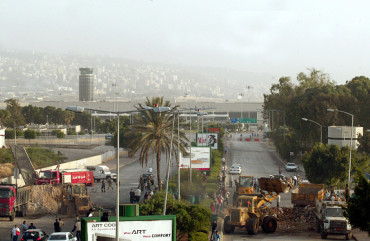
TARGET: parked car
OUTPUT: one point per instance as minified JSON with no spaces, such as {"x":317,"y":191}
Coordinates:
{"x":34,"y":235}
{"x":235,"y":169}
{"x":291,"y":167}
{"x":62,"y":236}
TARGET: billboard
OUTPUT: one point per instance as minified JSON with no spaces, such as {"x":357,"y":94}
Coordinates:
{"x":200,"y":159}
{"x":131,"y":230}
{"x":213,"y":129}
{"x":207,"y":139}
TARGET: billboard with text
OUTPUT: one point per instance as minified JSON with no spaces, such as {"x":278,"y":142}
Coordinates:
{"x":200,"y":159}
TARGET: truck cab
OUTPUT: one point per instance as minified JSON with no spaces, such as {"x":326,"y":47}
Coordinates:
{"x":48,"y":177}
{"x":332,"y":220}
{"x":7,"y":200}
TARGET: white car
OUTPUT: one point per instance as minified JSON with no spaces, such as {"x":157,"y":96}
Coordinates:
{"x":62,"y":236}
{"x":235,"y":169}
{"x":291,"y":167}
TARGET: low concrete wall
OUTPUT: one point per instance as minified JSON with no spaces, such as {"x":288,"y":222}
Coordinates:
{"x":81,"y":163}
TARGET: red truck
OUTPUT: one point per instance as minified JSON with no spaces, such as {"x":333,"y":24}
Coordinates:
{"x":13,"y":200}
{"x":65,"y":176}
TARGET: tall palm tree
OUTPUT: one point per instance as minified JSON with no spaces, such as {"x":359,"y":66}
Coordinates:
{"x":155,"y":134}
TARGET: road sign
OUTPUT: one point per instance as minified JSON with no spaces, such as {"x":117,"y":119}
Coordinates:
{"x":247,"y":120}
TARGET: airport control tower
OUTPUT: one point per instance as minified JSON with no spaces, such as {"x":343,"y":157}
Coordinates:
{"x":86,"y":91}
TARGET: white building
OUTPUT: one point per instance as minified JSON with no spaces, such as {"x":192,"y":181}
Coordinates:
{"x":341,"y":136}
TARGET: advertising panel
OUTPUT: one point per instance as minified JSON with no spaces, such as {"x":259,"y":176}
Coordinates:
{"x":207,"y":139}
{"x":200,"y":159}
{"x":131,"y":230}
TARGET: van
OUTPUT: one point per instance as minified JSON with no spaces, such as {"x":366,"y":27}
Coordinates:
{"x":100,"y":172}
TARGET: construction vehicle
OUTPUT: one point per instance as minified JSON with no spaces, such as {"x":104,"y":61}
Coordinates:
{"x":75,"y":199}
{"x":65,"y":176}
{"x":13,"y":200}
{"x":306,"y":194}
{"x":250,"y":210}
{"x":330,"y":219}
{"x":243,"y":186}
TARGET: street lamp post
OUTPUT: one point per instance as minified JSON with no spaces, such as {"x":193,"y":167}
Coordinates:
{"x":350,"y":147}
{"x":117,"y":113}
{"x":305,"y":119}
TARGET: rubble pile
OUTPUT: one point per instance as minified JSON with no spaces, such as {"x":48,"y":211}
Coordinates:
{"x":6,"y":170}
{"x":44,"y":200}
{"x":295,"y":220}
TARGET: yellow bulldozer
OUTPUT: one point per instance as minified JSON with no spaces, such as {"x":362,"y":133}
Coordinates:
{"x":75,"y":199}
{"x":250,"y":210}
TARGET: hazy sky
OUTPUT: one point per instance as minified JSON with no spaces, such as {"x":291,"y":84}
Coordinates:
{"x":274,"y":37}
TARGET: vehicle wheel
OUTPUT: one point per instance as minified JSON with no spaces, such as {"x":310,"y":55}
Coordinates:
{"x":228,"y":228}
{"x":349,"y":236}
{"x":252,"y":226}
{"x":323,"y":235}
{"x":11,"y":218}
{"x":318,"y":227}
{"x":269,"y":224}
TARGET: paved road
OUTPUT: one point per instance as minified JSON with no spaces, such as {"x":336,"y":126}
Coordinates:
{"x":129,"y":178}
{"x":259,"y":159}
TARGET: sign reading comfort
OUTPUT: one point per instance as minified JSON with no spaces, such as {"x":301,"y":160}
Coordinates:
{"x":131,"y":230}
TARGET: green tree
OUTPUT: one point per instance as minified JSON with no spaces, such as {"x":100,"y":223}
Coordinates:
{"x":155,"y":134}
{"x":327,"y":164}
{"x":16,"y":116}
{"x":364,"y":143}
{"x":358,"y":211}
{"x":190,"y":219}
{"x":30,"y":134}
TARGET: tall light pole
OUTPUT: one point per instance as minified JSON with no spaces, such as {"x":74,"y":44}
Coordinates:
{"x":117,"y":113}
{"x":178,"y":155}
{"x":168,"y":167}
{"x":305,"y":119}
{"x":350,"y":147}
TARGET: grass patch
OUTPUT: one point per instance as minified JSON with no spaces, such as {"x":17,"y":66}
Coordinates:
{"x":43,"y":157}
{"x":6,"y":156}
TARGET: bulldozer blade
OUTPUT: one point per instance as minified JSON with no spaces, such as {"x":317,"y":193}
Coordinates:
{"x":273,"y":185}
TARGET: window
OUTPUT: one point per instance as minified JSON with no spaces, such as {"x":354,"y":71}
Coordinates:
{"x":70,"y":236}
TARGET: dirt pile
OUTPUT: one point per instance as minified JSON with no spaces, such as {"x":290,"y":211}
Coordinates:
{"x":294,"y":220}
{"x":6,"y":170}
{"x":44,"y":200}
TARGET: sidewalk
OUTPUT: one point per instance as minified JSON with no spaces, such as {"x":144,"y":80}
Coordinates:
{"x":360,"y":236}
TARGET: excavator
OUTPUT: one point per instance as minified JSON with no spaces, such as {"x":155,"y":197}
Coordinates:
{"x":250,"y":210}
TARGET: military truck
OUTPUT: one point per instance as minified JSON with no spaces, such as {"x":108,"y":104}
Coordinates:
{"x":250,"y":210}
{"x":330,"y":219}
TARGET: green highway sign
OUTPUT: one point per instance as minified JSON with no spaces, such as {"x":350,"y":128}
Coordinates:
{"x":247,"y":120}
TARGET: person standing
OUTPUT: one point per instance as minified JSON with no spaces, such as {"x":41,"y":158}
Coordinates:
{"x":15,"y":233}
{"x":75,"y":223}
{"x":132,"y":195}
{"x":24,"y":227}
{"x":109,"y":183}
{"x":278,"y":201}
{"x":141,"y":183}
{"x":214,"y":229}
{"x":217,"y":236}
{"x":31,"y":226}
{"x":78,"y":230}
{"x":61,"y":224}
{"x":103,"y":185}
{"x":56,"y":226}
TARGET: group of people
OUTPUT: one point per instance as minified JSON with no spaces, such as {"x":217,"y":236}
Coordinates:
{"x":109,"y":181}
{"x":16,"y":231}
{"x":337,"y":196}
{"x":58,"y":227}
{"x":145,"y":182}
{"x":136,"y":195}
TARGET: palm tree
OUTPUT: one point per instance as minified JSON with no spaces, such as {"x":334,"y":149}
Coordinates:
{"x":155,"y":134}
